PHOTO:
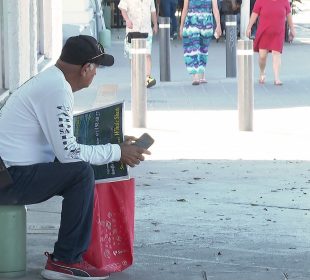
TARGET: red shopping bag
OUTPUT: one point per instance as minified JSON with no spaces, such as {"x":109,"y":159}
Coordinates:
{"x":111,"y":247}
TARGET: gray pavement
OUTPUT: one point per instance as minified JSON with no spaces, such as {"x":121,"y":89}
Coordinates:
{"x":211,"y":202}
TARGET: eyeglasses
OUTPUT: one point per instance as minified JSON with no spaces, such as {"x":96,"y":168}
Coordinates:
{"x":100,"y":49}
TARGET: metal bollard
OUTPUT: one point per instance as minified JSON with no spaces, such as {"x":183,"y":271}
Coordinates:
{"x":231,"y":45}
{"x":164,"y":48}
{"x":12,"y":241}
{"x":138,"y":86}
{"x":245,"y":84}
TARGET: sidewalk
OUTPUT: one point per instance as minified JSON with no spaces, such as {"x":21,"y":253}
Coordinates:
{"x":211,"y":202}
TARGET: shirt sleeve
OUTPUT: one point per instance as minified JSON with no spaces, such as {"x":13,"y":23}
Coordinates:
{"x":123,"y":5}
{"x":257,"y":7}
{"x":288,"y":7}
{"x":55,"y":115}
{"x":153,"y":9}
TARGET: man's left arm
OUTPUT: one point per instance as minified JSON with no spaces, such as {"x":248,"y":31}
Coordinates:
{"x":55,"y":116}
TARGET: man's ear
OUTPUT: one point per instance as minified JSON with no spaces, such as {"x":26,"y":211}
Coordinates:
{"x":87,"y":67}
{"x":84,"y":69}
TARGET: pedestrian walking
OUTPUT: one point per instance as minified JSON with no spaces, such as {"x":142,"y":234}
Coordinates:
{"x":42,"y":156}
{"x":139,"y":16}
{"x":197,"y":30}
{"x":254,"y":27}
{"x":270,"y":33}
{"x":168,"y":9}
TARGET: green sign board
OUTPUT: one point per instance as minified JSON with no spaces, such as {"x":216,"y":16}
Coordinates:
{"x":101,"y":126}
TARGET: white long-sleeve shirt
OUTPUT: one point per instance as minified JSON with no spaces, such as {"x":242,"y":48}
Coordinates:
{"x":36,"y":125}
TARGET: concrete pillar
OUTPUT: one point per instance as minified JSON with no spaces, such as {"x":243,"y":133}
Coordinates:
{"x":1,"y":49}
{"x":51,"y":33}
{"x":20,"y":38}
{"x":33,"y":38}
{"x":16,"y":42}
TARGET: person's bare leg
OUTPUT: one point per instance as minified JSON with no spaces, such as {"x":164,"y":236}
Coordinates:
{"x":195,"y":80}
{"x":202,"y":78}
{"x":148,"y":65}
{"x":150,"y":81}
{"x":276,"y":62}
{"x":262,"y":60}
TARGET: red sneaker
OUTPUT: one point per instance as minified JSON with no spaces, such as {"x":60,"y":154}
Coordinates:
{"x":58,"y":270}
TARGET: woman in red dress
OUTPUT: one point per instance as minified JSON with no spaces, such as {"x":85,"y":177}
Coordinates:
{"x":271,"y":33}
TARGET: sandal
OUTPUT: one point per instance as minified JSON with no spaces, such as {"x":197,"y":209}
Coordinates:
{"x":278,"y":83}
{"x":262,"y":79}
{"x":195,"y":83}
{"x":203,"y":81}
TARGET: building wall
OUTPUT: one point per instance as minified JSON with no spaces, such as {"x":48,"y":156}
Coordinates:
{"x":29,"y":29}
{"x":32,"y":33}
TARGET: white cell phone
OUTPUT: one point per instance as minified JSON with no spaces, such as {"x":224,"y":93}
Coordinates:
{"x":144,"y":141}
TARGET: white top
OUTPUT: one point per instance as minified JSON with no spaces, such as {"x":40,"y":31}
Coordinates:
{"x":139,"y":12}
{"x":36,"y":125}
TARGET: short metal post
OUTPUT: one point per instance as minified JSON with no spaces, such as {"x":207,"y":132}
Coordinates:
{"x":138,"y":86}
{"x":231,"y":45}
{"x":245,"y":84}
{"x":164,"y":48}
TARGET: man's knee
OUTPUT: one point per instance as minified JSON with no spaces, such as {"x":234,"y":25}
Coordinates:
{"x":86,"y":172}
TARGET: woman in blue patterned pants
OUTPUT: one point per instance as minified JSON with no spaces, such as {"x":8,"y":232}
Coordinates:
{"x":196,"y":29}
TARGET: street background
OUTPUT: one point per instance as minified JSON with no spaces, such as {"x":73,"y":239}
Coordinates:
{"x":211,"y":202}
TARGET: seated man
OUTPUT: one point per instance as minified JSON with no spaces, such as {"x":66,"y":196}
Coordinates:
{"x":36,"y":127}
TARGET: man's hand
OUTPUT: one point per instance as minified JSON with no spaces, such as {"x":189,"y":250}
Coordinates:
{"x":131,"y":154}
{"x":129,"y":139}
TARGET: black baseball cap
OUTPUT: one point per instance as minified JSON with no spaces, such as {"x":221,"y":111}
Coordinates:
{"x":82,"y":49}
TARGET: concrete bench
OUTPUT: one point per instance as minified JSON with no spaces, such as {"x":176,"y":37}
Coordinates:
{"x":12,"y":241}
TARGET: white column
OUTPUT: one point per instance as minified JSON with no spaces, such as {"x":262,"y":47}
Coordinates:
{"x":16,"y":43}
{"x":1,"y":46}
{"x":33,"y":40}
{"x":57,"y":34}
{"x":51,"y":33}
{"x":20,"y":38}
{"x":245,"y":17}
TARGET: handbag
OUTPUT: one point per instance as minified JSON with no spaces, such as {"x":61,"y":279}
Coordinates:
{"x":111,"y":246}
{"x":136,"y":35}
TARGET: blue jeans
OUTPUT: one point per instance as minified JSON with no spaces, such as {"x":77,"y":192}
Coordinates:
{"x":75,"y":183}
{"x":168,"y":8}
